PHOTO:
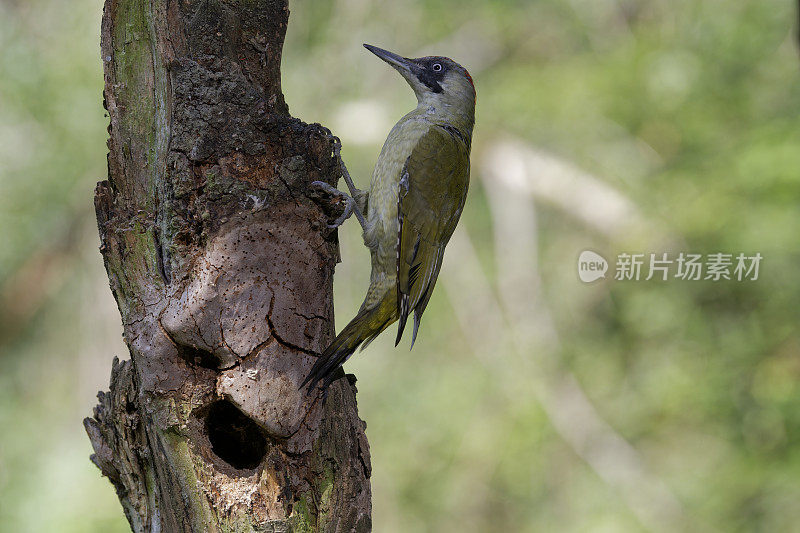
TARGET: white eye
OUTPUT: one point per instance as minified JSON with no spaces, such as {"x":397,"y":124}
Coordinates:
{"x":436,"y":67}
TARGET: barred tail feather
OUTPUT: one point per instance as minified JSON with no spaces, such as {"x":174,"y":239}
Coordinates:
{"x":403,"y":316}
{"x":366,"y":325}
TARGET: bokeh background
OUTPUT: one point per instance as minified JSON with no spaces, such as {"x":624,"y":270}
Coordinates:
{"x":532,"y":401}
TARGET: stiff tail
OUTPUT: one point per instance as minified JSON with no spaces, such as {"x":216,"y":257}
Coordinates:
{"x":366,"y":325}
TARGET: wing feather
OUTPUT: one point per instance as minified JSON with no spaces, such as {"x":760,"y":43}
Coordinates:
{"x":433,"y":189}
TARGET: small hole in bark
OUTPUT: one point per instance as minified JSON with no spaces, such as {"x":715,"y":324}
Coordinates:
{"x":199,"y":357}
{"x":234,"y":437}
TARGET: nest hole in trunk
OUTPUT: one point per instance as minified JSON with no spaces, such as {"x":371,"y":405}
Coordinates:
{"x":235,"y":438}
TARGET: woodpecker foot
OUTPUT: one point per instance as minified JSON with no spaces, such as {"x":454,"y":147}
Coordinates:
{"x":360,"y":196}
{"x":349,"y":203}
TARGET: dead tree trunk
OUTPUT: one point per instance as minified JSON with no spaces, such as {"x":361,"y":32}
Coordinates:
{"x":222,"y":268}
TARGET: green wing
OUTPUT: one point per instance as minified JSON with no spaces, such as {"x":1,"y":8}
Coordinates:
{"x":433,"y":188}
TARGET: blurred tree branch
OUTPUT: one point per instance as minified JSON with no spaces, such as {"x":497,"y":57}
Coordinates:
{"x":222,"y":270}
{"x":519,"y":317}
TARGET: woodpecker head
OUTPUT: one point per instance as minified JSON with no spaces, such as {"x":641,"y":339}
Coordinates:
{"x":433,"y":78}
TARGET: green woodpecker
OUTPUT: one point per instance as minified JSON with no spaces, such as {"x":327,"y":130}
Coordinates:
{"x":414,"y":202}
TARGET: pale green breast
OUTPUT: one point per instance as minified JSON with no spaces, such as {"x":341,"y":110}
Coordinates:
{"x":381,"y":233}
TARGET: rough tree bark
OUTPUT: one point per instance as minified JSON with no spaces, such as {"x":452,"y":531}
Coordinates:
{"x":222,"y":269}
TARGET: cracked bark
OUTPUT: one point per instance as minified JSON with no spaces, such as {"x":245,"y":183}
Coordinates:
{"x":222,"y":268}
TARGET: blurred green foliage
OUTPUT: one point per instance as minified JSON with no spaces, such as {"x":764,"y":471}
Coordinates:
{"x":687,"y":110}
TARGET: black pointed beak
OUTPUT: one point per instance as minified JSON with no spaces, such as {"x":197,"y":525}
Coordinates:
{"x":398,"y":62}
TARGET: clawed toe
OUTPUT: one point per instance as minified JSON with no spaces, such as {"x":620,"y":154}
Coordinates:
{"x":349,"y":203}
{"x":354,"y":192}
{"x":327,"y":187}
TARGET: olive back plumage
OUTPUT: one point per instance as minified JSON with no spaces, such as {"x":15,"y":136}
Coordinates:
{"x":429,"y":206}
